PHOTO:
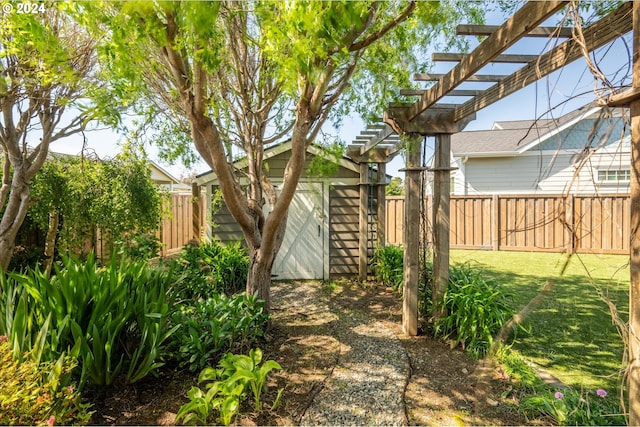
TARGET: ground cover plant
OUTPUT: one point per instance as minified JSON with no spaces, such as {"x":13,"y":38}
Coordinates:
{"x":211,"y":327}
{"x":570,"y":334}
{"x":35,"y":393}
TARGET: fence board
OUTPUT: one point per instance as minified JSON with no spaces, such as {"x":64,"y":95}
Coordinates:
{"x":600,"y":224}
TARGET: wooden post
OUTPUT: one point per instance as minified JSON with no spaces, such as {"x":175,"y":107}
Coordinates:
{"x":441,"y":226}
{"x":382,"y":205}
{"x":363,"y":261}
{"x":634,"y":284}
{"x":495,"y":222}
{"x":411,"y":232}
{"x":196,"y":219}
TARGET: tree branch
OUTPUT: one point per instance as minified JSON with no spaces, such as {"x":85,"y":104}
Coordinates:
{"x":384,"y":30}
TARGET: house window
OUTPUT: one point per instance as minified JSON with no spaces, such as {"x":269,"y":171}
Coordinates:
{"x":615,"y":175}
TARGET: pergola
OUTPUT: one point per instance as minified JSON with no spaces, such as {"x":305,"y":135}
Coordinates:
{"x":406,"y":125}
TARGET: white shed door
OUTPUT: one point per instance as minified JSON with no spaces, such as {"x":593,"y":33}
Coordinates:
{"x":302,"y":252}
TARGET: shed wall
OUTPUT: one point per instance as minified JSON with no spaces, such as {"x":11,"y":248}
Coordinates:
{"x":343,"y":230}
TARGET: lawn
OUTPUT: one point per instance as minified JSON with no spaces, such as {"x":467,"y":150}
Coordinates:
{"x":570,"y":334}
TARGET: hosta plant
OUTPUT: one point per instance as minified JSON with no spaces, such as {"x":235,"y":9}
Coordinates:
{"x":227,"y":387}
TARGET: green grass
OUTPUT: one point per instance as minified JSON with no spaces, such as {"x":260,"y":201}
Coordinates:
{"x":570,"y":334}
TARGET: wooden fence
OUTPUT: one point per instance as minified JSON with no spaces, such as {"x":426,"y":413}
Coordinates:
{"x":175,"y":229}
{"x":551,"y":223}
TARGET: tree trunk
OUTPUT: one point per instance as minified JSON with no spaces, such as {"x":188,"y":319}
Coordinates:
{"x":259,"y":278}
{"x":12,"y":219}
{"x":50,"y":241}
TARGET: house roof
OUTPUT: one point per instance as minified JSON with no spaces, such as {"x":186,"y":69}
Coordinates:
{"x":270,"y":152}
{"x":510,"y":138}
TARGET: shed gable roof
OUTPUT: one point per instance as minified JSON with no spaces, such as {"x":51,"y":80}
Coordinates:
{"x":270,"y":153}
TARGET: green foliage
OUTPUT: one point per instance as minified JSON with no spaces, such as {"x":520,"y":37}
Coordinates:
{"x":518,"y":370}
{"x":213,"y":326}
{"x":227,"y":387}
{"x":210,"y":269}
{"x":326,"y":164}
{"x":117,"y":196}
{"x":140,"y":247}
{"x":32,"y":393}
{"x":387,"y":265}
{"x":395,"y":187}
{"x":575,"y":408}
{"x":476,"y":309}
{"x":114,"y":320}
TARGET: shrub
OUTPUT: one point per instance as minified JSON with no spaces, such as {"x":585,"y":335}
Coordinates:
{"x":114,"y":320}
{"x":211,"y":268}
{"x":476,"y":309}
{"x":139,"y":247}
{"x":569,"y":407}
{"x":227,"y":387}
{"x":387,"y":265}
{"x":36,"y":394}
{"x":216,"y":325}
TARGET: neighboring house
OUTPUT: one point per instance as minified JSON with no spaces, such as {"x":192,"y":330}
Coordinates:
{"x":167,"y":181}
{"x":586,"y":151}
{"x":322,"y":238}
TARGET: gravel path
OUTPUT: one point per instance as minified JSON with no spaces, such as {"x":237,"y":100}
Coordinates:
{"x":367,"y":383}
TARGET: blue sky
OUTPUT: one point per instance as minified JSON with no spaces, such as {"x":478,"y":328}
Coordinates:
{"x":566,"y":89}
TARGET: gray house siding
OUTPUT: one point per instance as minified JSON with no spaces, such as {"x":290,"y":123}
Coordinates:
{"x":574,"y":157}
{"x":543,"y":172}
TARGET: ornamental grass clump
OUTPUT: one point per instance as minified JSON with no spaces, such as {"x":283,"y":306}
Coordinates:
{"x":476,"y":309}
{"x":113,"y":320}
{"x":387,"y":266}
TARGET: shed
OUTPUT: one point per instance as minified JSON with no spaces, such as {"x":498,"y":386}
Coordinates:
{"x":322,"y":240}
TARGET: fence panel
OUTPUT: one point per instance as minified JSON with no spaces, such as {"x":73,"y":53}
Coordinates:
{"x":549,"y":223}
{"x":602,"y":224}
{"x":394,"y":219}
{"x":176,"y":228}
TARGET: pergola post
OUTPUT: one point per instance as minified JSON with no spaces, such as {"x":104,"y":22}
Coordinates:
{"x":441,"y":226}
{"x":634,"y":283}
{"x":363,"y":229}
{"x":411,"y":230}
{"x":382,"y":205}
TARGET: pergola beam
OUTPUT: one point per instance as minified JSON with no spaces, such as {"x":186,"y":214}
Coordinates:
{"x":455,"y":92}
{"x":610,"y":27}
{"x":432,"y":77}
{"x":505,"y":59}
{"x":519,"y":25}
{"x":487,"y":30}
